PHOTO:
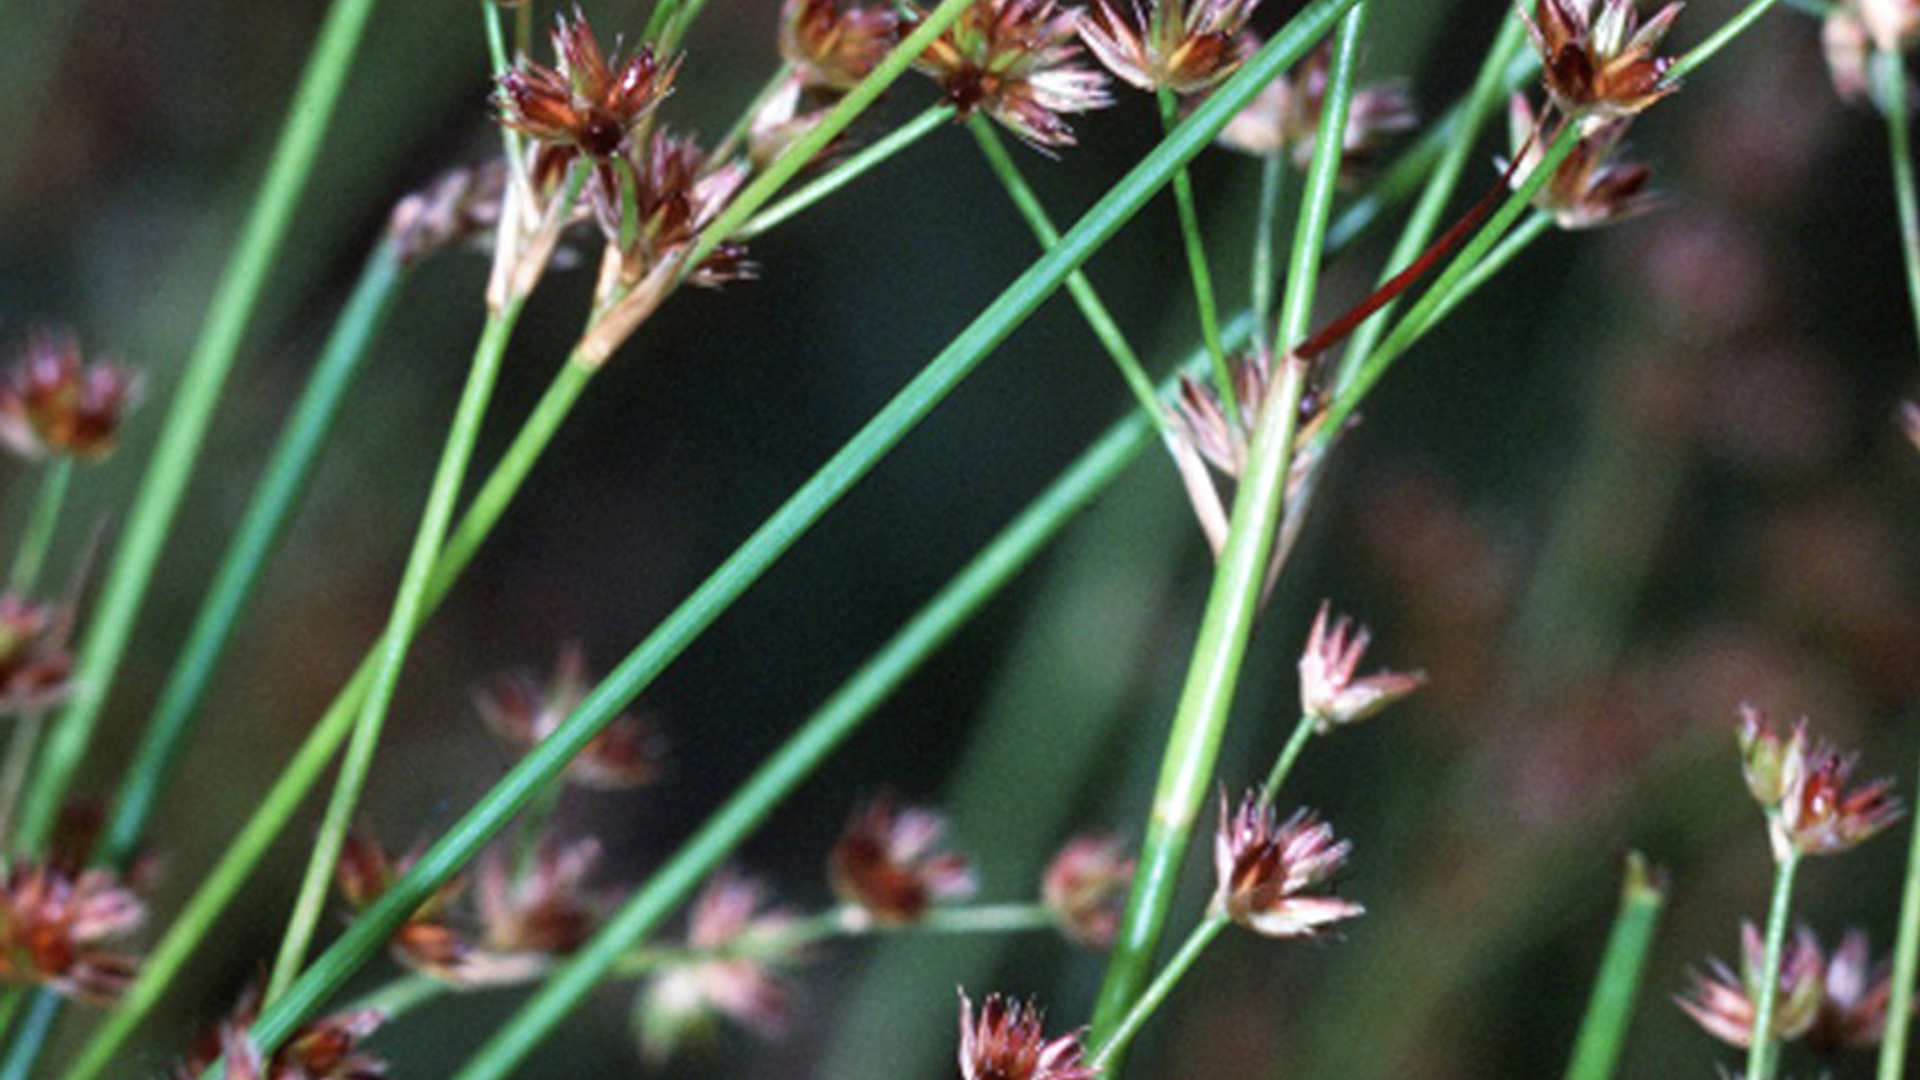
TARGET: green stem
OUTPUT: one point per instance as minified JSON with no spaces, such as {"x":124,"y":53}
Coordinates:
{"x":41,"y":524}
{"x":187,"y":420}
{"x":1764,"y":1052}
{"x":1603,"y":1031}
{"x":1197,"y":265}
{"x":310,"y":761}
{"x":1480,"y":273}
{"x":1419,"y":318}
{"x":848,"y":171}
{"x":410,"y":606}
{"x":402,"y":995}
{"x":1289,"y":754}
{"x":1482,"y":101}
{"x":1108,"y":1049}
{"x":23,"y":1050}
{"x":13,"y":772}
{"x":1890,"y":74}
{"x":1906,"y":969}
{"x":1239,"y":581}
{"x":1720,"y":39}
{"x":1099,"y":320}
{"x":774,"y":945}
{"x":294,"y":459}
{"x":1273,"y":174}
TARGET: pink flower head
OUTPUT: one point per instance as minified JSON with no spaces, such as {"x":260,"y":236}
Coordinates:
{"x":1019,"y":62}
{"x":1086,"y":885}
{"x":1009,"y":1043}
{"x":684,"y":1002}
{"x":54,"y":403}
{"x":1265,"y":868}
{"x":1328,"y":690}
{"x":1724,"y":1003}
{"x":887,"y":863}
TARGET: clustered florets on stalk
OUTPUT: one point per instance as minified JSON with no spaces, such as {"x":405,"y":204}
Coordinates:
{"x":326,"y":1049}
{"x":1284,"y":119}
{"x":1266,"y":869}
{"x":58,"y":925}
{"x":1834,"y":1003}
{"x":53,"y":403}
{"x":629,"y":752}
{"x":1802,"y":787}
{"x":888,"y":864}
{"x":1170,"y":45}
{"x":684,"y":1003}
{"x":1019,"y":62}
{"x":1329,"y":693}
{"x":1085,"y":886}
{"x":1008,"y":1042}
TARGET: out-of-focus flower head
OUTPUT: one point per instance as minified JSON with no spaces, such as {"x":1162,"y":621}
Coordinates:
{"x":1589,"y":189}
{"x":888,"y":863}
{"x":1204,"y":431}
{"x":1724,"y":1003}
{"x":1853,"y":1010}
{"x":35,"y":666}
{"x":461,"y":206}
{"x":678,"y":194}
{"x":1085,"y":886}
{"x":1894,"y":25}
{"x":53,"y":403}
{"x":326,"y":1049}
{"x":1265,"y":867}
{"x":58,"y":924}
{"x":1008,"y":1042}
{"x":1844,"y":43}
{"x":586,"y":106}
{"x":833,"y":45}
{"x":523,"y":712}
{"x":1170,"y":45}
{"x":1019,"y":62}
{"x":1601,"y":68}
{"x":1328,"y":690}
{"x":539,"y":909}
{"x":683,"y":1003}
{"x":1285,"y":118}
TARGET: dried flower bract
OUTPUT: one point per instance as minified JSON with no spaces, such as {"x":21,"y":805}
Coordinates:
{"x":683,"y":1003}
{"x":1085,"y":886}
{"x":521,"y":710}
{"x":1589,"y":189}
{"x":1601,"y":68}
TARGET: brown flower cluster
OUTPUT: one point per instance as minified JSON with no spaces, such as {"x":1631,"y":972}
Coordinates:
{"x":1834,"y":1003}
{"x":1085,"y":886}
{"x":1265,"y":868}
{"x":829,"y":46}
{"x":35,"y":666}
{"x":1019,"y":62}
{"x":526,"y":913}
{"x":1008,"y":1042}
{"x":887,"y":863}
{"x":523,"y":711}
{"x":57,"y":928}
{"x":327,"y":1049}
{"x":1802,"y":787}
{"x":1170,"y":45}
{"x":54,"y":403}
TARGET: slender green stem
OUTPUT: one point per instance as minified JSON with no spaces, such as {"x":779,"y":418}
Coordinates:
{"x":13,"y":772}
{"x":402,"y":995}
{"x":1764,"y":1052}
{"x":1482,"y":101}
{"x":1510,"y":246}
{"x":779,"y":944}
{"x":1098,"y":318}
{"x":1198,"y":267}
{"x":194,"y":402}
{"x":1603,"y":1031}
{"x":1906,"y":969}
{"x":1109,"y":1048}
{"x":41,"y":525}
{"x":10,"y":1000}
{"x":409,"y":610}
{"x":1419,"y":318}
{"x":1273,"y":175}
{"x":1289,"y":755}
{"x":846,"y":172}
{"x":1890,"y":75}
{"x":23,"y":1050}
{"x":291,"y":465}
{"x":1720,"y":39}
{"x":310,"y":761}
{"x":1239,"y":581}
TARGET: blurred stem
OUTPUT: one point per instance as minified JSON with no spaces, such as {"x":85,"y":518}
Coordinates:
{"x":1720,"y":39}
{"x":410,"y":606}
{"x":743,"y":124}
{"x":1763,"y":1054}
{"x":192,"y":410}
{"x":1108,"y":1049}
{"x":779,"y":943}
{"x":1289,"y":754}
{"x":13,"y":772}
{"x":1890,"y":77}
{"x":284,"y":481}
{"x":848,"y":171}
{"x":1197,"y":265}
{"x":1239,"y":581}
{"x":1603,"y":1031}
{"x":23,"y":1051}
{"x":42,"y":522}
{"x":1906,"y":967}
{"x":1273,"y":176}
{"x":1489,"y":86}
{"x":1483,"y":271}
{"x":1098,"y":318}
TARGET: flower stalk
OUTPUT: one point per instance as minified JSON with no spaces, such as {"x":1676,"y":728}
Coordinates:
{"x":1763,"y":1054}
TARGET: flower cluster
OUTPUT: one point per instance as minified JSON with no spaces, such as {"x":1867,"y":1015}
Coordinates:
{"x":1019,"y":62}
{"x":522,"y":711}
{"x":35,"y":666}
{"x":1086,"y":885}
{"x":1171,"y":46}
{"x":1285,"y":117}
{"x":828,"y":47}
{"x":1264,"y":868}
{"x":1328,"y":691}
{"x":57,"y":923}
{"x":527,"y":912}
{"x":1008,"y":1042}
{"x":1589,"y":188}
{"x":54,"y":403}
{"x":887,"y":863}
{"x":327,"y":1049}
{"x":1834,"y":1003}
{"x":1802,"y":787}
{"x":684,"y":1002}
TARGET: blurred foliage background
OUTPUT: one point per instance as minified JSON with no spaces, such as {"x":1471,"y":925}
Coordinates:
{"x":1648,"y":475}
